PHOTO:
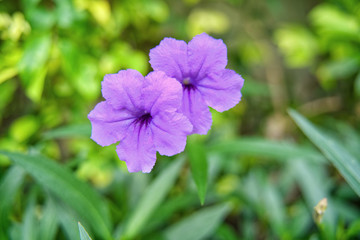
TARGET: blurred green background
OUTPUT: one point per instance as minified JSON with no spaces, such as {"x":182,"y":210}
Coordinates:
{"x":261,"y":175}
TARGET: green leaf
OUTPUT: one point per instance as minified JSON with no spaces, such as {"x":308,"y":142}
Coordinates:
{"x":353,"y":230}
{"x":274,"y":208}
{"x":9,"y":186}
{"x":260,"y":147}
{"x":199,"y":225}
{"x":76,"y":130}
{"x":61,"y":182}
{"x":297,"y":44}
{"x":152,"y":198}
{"x":67,"y":221}
{"x":49,"y":222}
{"x":30,"y":223}
{"x":24,"y":127}
{"x":7,"y":73}
{"x":32,"y":66}
{"x":311,"y":179}
{"x":83,"y":233}
{"x":167,"y":210}
{"x":199,"y":167}
{"x":347,"y":164}
{"x":80,"y":69}
{"x":330,"y":21}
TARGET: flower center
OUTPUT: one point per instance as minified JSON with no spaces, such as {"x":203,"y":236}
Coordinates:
{"x":145,"y":119}
{"x":187,"y":85}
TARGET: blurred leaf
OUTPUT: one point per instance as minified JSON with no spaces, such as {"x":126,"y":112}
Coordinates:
{"x":49,"y":221}
{"x":169,"y":208}
{"x":69,"y":131}
{"x":331,"y":21}
{"x":349,"y":212}
{"x":348,"y":165}
{"x":65,"y":186}
{"x":40,"y":18}
{"x":7,"y":90}
{"x":265,"y":148}
{"x":297,"y":44}
{"x":123,"y":56}
{"x":254,"y":88}
{"x":353,"y":230}
{"x":64,"y":12}
{"x":300,"y":221}
{"x":32,"y":66}
{"x":357,"y":85}
{"x":7,"y":73}
{"x":30,"y":3}
{"x":312,"y":181}
{"x":15,"y":231}
{"x":199,"y":225}
{"x":152,"y":198}
{"x":9,"y":186}
{"x":329,"y":72}
{"x":101,"y":11}
{"x":80,"y":69}
{"x":210,"y":21}
{"x":350,"y":137}
{"x":23,"y":128}
{"x":226,"y":232}
{"x":83,"y":234}
{"x":199,"y":167}
{"x":68,"y":221}
{"x":30,"y":223}
{"x":157,"y":10}
{"x":274,"y":207}
{"x":252,"y":55}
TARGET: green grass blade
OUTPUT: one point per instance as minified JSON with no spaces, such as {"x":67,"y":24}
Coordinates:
{"x":347,"y":164}
{"x":199,"y":225}
{"x":29,"y":226}
{"x":68,"y":221}
{"x":199,"y":167}
{"x":311,"y":179}
{"x":259,"y":147}
{"x":152,"y":198}
{"x":62,"y":183}
{"x":49,"y":221}
{"x":83,"y":233}
{"x":9,"y":186}
{"x":170,"y":207}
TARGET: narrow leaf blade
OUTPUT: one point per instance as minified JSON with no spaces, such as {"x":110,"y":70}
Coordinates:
{"x":199,"y":225}
{"x":347,"y":164}
{"x":199,"y":167}
{"x":259,"y":147}
{"x":9,"y":186}
{"x":152,"y":198}
{"x":83,"y":233}
{"x":61,"y":182}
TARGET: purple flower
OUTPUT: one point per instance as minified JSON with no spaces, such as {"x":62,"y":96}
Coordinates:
{"x":200,"y":67}
{"x":141,"y":113}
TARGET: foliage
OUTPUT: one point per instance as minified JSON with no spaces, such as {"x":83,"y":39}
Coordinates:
{"x":254,"y":176}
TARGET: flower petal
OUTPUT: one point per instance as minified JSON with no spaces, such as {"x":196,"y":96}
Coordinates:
{"x":170,"y":56}
{"x":170,"y":131}
{"x":161,"y":93}
{"x":121,"y":89}
{"x":109,"y":125}
{"x":221,"y":91}
{"x":205,"y":55}
{"x":137,"y":149}
{"x":196,"y":110}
